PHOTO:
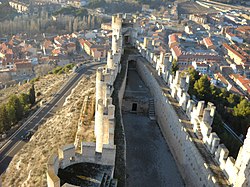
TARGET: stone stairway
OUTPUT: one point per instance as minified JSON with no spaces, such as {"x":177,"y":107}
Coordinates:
{"x":151,"y":111}
{"x":107,"y":181}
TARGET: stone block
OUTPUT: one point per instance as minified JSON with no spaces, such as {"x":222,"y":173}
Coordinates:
{"x":221,"y":154}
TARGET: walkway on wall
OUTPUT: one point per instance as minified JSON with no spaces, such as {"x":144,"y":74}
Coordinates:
{"x":210,"y":163}
{"x":149,"y":161}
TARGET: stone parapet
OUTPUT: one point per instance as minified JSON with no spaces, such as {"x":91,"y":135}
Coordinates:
{"x":103,"y":151}
{"x":201,"y":116}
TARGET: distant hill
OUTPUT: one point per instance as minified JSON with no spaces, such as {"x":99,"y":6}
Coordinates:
{"x":71,"y":11}
{"x":103,"y":3}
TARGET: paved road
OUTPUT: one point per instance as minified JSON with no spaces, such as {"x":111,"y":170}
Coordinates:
{"x":15,"y":142}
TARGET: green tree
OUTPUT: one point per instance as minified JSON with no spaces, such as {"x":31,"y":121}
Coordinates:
{"x":11,"y":113}
{"x":193,"y":76}
{"x":231,"y":99}
{"x":25,"y":101}
{"x":32,"y":95}
{"x":5,"y":123}
{"x":175,"y":67}
{"x":15,"y":103}
{"x":202,"y":88}
{"x":242,"y":109}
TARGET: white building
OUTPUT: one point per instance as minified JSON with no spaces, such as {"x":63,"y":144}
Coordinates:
{"x":202,"y":67}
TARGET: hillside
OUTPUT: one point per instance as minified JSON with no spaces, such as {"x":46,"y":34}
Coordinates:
{"x":28,"y":167}
{"x":114,"y":6}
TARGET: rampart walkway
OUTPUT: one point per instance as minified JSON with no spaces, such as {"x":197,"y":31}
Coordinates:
{"x":149,"y":160}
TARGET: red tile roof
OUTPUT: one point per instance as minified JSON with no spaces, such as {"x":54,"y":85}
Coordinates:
{"x":177,"y":51}
{"x":173,"y":38}
{"x":234,"y":51}
{"x":208,"y":42}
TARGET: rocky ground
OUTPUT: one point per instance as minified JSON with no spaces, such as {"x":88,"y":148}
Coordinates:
{"x":28,"y":167}
{"x":47,"y":86}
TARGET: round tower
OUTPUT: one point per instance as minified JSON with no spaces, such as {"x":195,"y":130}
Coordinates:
{"x":116,"y":23}
{"x":110,"y":61}
{"x":99,"y":126}
{"x":99,"y":85}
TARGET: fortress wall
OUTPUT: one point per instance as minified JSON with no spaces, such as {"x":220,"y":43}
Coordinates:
{"x":190,"y":162}
{"x":53,"y":164}
{"x":123,"y":86}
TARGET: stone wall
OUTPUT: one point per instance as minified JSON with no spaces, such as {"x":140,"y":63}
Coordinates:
{"x":103,"y":150}
{"x":194,"y":123}
{"x":187,"y":149}
{"x":142,"y":104}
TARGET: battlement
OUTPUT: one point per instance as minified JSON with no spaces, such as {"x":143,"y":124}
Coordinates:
{"x":103,"y":151}
{"x":194,"y":119}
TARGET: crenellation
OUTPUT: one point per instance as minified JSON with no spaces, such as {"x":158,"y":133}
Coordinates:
{"x":213,"y":142}
{"x":230,"y":169}
{"x":206,"y":116}
{"x":198,"y":110}
{"x":221,"y":155}
{"x":103,"y":151}
{"x":189,"y":108}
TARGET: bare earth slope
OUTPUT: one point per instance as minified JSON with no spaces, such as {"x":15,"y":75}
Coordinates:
{"x":28,"y":167}
{"x":46,"y":85}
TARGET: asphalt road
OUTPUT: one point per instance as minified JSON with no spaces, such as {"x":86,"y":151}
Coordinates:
{"x":15,"y":143}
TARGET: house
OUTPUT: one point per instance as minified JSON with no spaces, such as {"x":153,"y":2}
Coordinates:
{"x":239,"y":56}
{"x":173,"y":40}
{"x":208,"y":43}
{"x":200,"y":19}
{"x":201,"y":67}
{"x":185,"y":58}
{"x":23,"y":68}
{"x":233,"y":37}
{"x":98,"y":52}
{"x":242,"y":81}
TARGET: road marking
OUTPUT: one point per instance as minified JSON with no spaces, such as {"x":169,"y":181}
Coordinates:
{"x":34,"y":115}
{"x":80,"y":77}
{"x":21,"y":128}
{"x":38,"y":122}
{"x":11,"y":150}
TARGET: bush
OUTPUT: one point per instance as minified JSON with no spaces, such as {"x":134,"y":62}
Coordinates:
{"x":56,"y":70}
{"x":60,"y":72}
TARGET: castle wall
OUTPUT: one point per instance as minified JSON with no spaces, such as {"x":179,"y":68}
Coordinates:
{"x":103,"y":151}
{"x":52,"y":168}
{"x":191,"y":163}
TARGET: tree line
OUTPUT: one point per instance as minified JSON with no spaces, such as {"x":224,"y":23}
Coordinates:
{"x":16,"y":108}
{"x":45,"y":23}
